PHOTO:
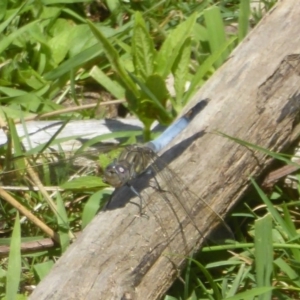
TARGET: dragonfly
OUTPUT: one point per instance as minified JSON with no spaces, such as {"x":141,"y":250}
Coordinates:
{"x":63,"y":163}
{"x":135,"y":160}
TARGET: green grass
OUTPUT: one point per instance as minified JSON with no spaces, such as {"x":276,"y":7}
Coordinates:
{"x":51,"y":52}
{"x":262,"y":264}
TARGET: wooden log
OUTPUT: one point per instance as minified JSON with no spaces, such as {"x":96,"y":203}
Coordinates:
{"x":73,"y":135}
{"x":255,"y":97}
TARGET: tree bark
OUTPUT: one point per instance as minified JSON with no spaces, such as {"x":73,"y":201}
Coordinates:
{"x":254,"y":97}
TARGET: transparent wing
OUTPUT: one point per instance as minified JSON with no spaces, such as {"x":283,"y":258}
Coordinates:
{"x":53,"y":167}
{"x":173,"y":190}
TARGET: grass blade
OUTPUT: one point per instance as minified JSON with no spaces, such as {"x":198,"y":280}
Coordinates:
{"x":42,"y":269}
{"x":275,"y":155}
{"x":251,"y":294}
{"x":216,"y":32}
{"x":244,"y":19}
{"x":63,"y":223}
{"x":180,"y":70}
{"x":286,"y":268}
{"x":210,"y":279}
{"x":264,"y":254}
{"x":113,"y":56}
{"x":111,"y":86}
{"x":172,"y":45}
{"x":275,"y":214}
{"x":93,"y":205}
{"x":14,"y":262}
{"x":204,"y":69}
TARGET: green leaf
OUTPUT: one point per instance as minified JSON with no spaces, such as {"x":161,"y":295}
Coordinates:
{"x":180,"y":70}
{"x":244,"y":14}
{"x":63,"y":223}
{"x":143,"y":51}
{"x":250,"y":294}
{"x":170,"y":298}
{"x":93,"y":205}
{"x":152,"y":104}
{"x":83,"y":49}
{"x":106,"y":158}
{"x":61,"y":41}
{"x":30,"y":102}
{"x":264,"y":254}
{"x":275,"y":155}
{"x":172,"y":45}
{"x":273,"y":211}
{"x":204,"y":69}
{"x":292,"y":274}
{"x":16,"y":145}
{"x":12,"y":92}
{"x":216,"y":31}
{"x":209,"y":279}
{"x":4,"y":24}
{"x":13,"y":112}
{"x":31,"y":78}
{"x":42,"y":269}
{"x":200,"y":33}
{"x":7,"y":40}
{"x":294,"y":235}
{"x":113,"y":56}
{"x":112,"y":5}
{"x":14,"y":262}
{"x":111,"y":86}
{"x":3,"y":7}
{"x":84,"y":182}
{"x":74,"y":62}
{"x":238,"y":280}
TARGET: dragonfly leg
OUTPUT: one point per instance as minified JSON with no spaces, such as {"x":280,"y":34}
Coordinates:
{"x":158,"y":187}
{"x":142,"y":214}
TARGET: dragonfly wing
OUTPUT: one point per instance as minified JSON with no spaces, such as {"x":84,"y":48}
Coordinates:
{"x":185,"y":203}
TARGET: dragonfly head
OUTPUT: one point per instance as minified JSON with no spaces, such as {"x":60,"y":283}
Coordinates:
{"x":116,"y":174}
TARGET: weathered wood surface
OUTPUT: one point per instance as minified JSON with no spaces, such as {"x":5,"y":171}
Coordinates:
{"x":255,"y":97}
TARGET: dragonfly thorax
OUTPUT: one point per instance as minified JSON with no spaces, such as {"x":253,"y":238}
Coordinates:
{"x":132,"y":162}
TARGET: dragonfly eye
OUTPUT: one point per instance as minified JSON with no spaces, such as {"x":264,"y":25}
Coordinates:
{"x":111,"y":176}
{"x":120,"y":170}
